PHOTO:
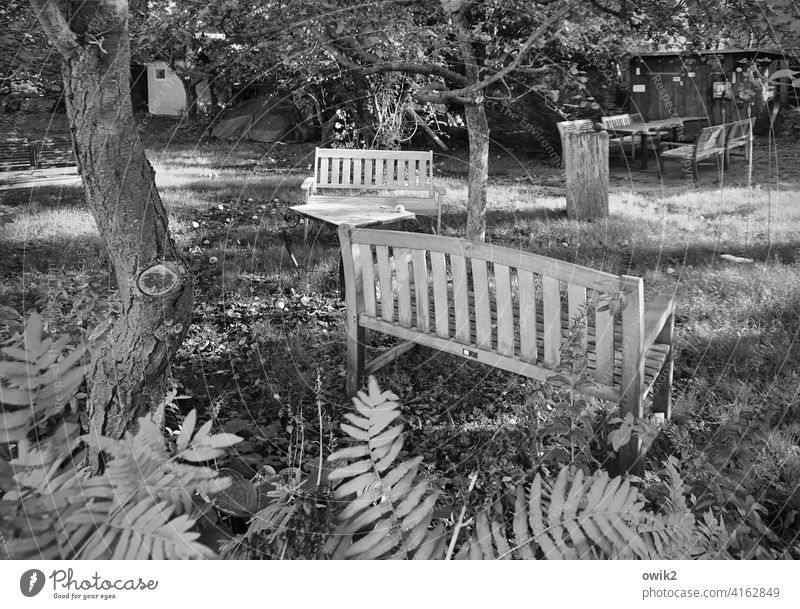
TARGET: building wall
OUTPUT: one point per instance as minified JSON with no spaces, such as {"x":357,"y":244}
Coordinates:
{"x":672,"y":85}
{"x":165,"y":91}
{"x":164,"y":95}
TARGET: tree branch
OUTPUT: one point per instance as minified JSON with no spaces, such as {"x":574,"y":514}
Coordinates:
{"x":375,"y":66}
{"x":470,"y":90}
{"x":56,"y":27}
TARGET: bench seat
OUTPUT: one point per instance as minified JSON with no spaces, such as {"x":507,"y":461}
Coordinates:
{"x":418,"y":205}
{"x":687,"y":152}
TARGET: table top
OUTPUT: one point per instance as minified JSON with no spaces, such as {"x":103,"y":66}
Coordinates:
{"x":357,"y":213}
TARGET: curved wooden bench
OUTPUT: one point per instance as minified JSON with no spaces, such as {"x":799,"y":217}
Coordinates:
{"x":25,"y":164}
{"x":391,"y":177}
{"x":710,"y":144}
{"x":509,"y":309}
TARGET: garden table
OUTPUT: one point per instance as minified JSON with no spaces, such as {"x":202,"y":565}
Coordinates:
{"x":361,"y":213}
{"x":647,"y":129}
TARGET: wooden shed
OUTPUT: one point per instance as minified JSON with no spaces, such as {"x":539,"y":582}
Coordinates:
{"x":699,"y":83}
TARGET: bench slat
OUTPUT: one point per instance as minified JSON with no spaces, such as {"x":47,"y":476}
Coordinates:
{"x":505,"y":309}
{"x":441,"y":313}
{"x":401,"y":259}
{"x":385,"y":275}
{"x":368,"y":272}
{"x":322,"y":179}
{"x":483,"y":315}
{"x":458,"y":265}
{"x":421,"y":291}
{"x":527,"y":315}
{"x":552,"y":321}
{"x":604,"y":330}
{"x":576,"y":306}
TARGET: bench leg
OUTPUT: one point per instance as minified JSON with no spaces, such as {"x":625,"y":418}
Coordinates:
{"x":356,"y":339}
{"x":631,"y":459}
{"x":662,"y":388}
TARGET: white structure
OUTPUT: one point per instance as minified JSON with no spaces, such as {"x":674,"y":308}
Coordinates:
{"x":165,"y":94}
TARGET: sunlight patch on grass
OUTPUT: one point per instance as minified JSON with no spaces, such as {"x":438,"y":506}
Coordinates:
{"x":45,"y":225}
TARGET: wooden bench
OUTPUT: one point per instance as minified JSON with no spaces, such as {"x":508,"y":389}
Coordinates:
{"x":738,"y":134}
{"x":509,"y":309}
{"x":389,"y":177}
{"x":26,"y":164}
{"x":16,"y":154}
{"x":710,"y":144}
{"x":619,"y":120}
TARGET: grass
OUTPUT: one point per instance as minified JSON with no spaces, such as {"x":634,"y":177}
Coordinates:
{"x":263,"y":330}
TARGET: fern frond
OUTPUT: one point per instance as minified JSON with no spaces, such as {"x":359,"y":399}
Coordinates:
{"x":36,"y":379}
{"x":574,"y":518}
{"x":387,"y":508}
{"x":144,"y":530}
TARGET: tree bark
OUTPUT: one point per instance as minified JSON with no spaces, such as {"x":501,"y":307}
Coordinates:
{"x":190,"y":88}
{"x":129,"y":360}
{"x":478,"y":128}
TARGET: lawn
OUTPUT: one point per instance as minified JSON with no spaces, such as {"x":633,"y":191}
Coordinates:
{"x":265,"y":353}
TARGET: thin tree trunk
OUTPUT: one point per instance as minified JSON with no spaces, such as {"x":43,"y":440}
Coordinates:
{"x":478,"y":128}
{"x":190,"y":88}
{"x":129,"y":360}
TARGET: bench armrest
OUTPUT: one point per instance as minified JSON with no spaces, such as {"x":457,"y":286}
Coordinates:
{"x":307,"y":184}
{"x":658,"y":313}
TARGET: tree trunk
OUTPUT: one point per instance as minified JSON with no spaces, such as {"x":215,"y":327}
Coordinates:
{"x":478,"y":128}
{"x":129,"y":360}
{"x":190,"y":88}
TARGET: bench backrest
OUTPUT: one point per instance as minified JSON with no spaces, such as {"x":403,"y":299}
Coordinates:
{"x":54,"y":153}
{"x":710,"y":141}
{"x":618,"y":120}
{"x":579,"y":125}
{"x":636,"y":117}
{"x":16,"y":154}
{"x":345,"y":168}
{"x":497,"y":304}
{"x":739,"y":132}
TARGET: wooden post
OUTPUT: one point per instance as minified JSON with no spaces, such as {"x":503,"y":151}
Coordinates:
{"x":586,"y":165}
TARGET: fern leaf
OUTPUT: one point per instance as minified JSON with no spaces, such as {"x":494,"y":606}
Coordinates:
{"x":522,"y":539}
{"x":577,"y":518}
{"x":351,"y":452}
{"x":388,"y":508}
{"x":187,"y":429}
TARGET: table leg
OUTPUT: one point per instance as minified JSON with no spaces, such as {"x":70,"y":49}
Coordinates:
{"x":342,"y":285}
{"x":644,"y":150}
